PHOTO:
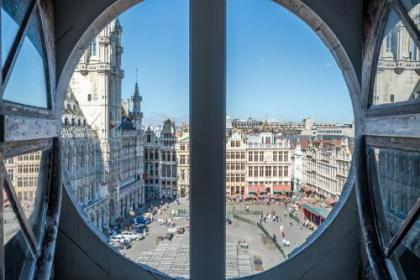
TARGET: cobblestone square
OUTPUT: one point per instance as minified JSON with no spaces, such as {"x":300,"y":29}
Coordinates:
{"x":172,"y":257}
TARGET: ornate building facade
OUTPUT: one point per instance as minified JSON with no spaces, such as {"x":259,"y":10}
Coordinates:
{"x":236,"y":165}
{"x":160,"y":162}
{"x":307,"y":127}
{"x":182,"y":148}
{"x":268,"y":164}
{"x":151,"y":174}
{"x":96,"y":84}
{"x":83,"y":163}
{"x":257,"y":164}
{"x":322,"y":166}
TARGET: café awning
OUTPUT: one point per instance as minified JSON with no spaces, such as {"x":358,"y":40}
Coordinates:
{"x":256,"y":189}
{"x":281,"y":189}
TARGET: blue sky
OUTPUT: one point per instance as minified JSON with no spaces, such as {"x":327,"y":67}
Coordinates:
{"x":277,"y":68}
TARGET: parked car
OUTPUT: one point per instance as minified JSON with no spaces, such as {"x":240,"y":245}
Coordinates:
{"x":119,"y":238}
{"x":114,"y":239}
{"x":127,"y":243}
{"x":132,"y":235}
{"x":140,"y":220}
{"x":117,"y":245}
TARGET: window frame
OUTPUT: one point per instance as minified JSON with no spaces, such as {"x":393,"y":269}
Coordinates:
{"x":398,"y":108}
{"x":27,"y":129}
{"x":385,"y":125}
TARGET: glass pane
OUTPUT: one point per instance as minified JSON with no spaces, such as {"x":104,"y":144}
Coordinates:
{"x":408,"y":252}
{"x":10,"y":222}
{"x":413,"y":8}
{"x":27,"y":83}
{"x":12,"y":14}
{"x":28,"y":176}
{"x":15,"y":246}
{"x":396,"y":185}
{"x":397,"y":74}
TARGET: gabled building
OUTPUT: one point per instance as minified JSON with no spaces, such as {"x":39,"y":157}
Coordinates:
{"x":160,"y":163}
{"x":182,"y":148}
{"x":268,"y":164}
{"x":322,"y":166}
{"x":236,"y":165}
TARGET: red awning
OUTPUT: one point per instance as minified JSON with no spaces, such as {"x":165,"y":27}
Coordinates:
{"x":281,"y":188}
{"x":256,"y":189}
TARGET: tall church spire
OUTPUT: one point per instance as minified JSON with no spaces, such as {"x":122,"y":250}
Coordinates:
{"x":136,"y":98}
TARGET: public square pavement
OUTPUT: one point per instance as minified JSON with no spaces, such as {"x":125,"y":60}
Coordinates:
{"x":172,"y":257}
{"x":294,"y":232}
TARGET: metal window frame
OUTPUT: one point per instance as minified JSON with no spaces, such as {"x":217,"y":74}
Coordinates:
{"x":206,"y":65}
{"x":393,"y":125}
{"x":387,"y":243}
{"x":207,"y":138}
{"x":389,"y":109}
{"x":34,"y":11}
{"x":25,"y":129}
{"x":207,"y":27}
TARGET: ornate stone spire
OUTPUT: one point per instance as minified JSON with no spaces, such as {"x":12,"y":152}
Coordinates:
{"x":136,"y":98}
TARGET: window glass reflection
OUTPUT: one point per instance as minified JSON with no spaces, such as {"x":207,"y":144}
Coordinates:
{"x":408,"y":252}
{"x":398,"y":69}
{"x":397,"y":187}
{"x":12,"y":14}
{"x":27,"y":82}
{"x":15,"y":246}
{"x":27,"y":173}
{"x":10,"y":221}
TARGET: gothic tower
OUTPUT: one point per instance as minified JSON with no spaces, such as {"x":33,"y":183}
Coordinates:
{"x":137,"y":115}
{"x":96,"y":83}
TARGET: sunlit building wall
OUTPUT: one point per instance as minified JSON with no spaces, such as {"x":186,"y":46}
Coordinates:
{"x":236,"y":165}
{"x":324,"y":166}
{"x":183,"y":159}
{"x":269,"y":164}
